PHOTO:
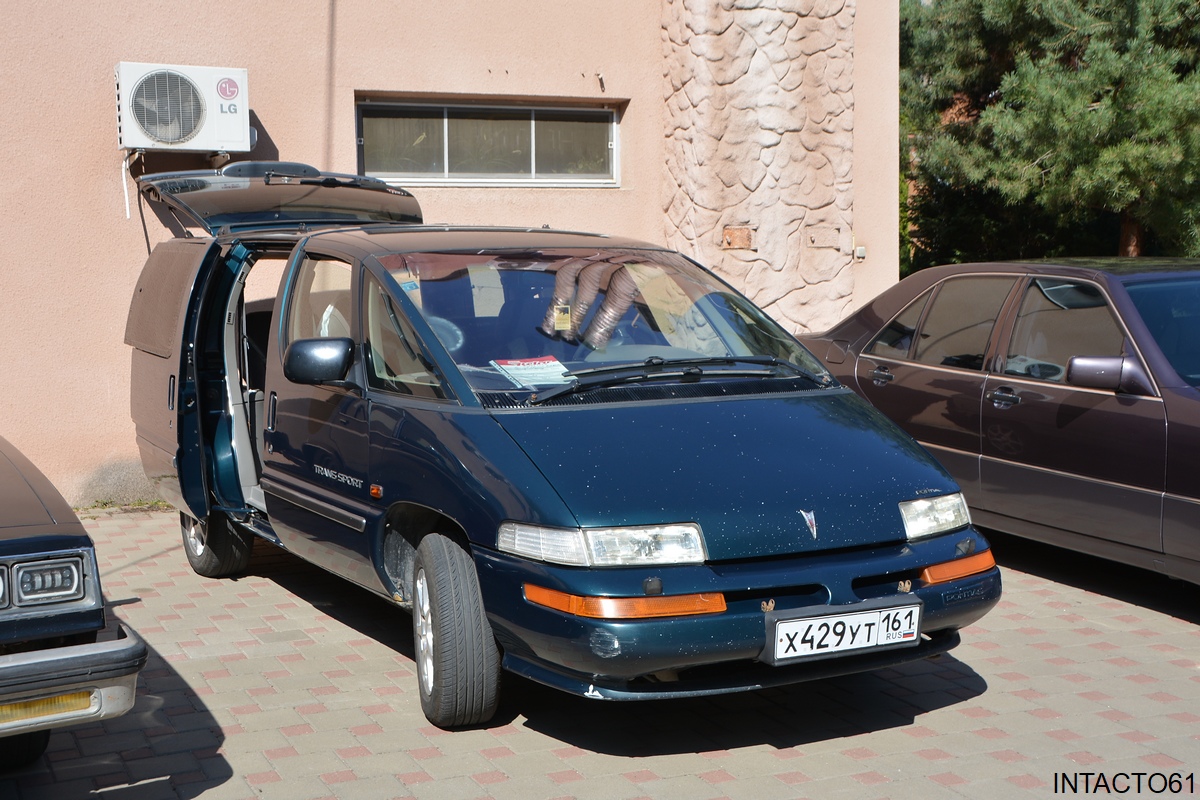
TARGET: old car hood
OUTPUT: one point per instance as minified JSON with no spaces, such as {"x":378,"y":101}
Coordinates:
{"x":31,"y":508}
{"x":273,"y":194}
{"x":748,"y":470}
{"x":21,"y":504}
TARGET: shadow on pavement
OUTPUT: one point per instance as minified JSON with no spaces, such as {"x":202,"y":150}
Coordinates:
{"x":1139,"y":587}
{"x":351,"y":605}
{"x":166,"y":746}
{"x":783,"y":717}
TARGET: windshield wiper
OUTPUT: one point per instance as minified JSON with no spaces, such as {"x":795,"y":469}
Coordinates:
{"x":330,"y":182}
{"x":684,"y":369}
{"x":767,"y":361}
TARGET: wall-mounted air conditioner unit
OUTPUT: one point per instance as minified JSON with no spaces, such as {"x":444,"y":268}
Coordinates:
{"x":187,"y":109}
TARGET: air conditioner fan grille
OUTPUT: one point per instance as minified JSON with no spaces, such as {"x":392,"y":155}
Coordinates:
{"x":168,"y":107}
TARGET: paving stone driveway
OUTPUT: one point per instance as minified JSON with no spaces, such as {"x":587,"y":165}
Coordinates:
{"x":288,"y":683}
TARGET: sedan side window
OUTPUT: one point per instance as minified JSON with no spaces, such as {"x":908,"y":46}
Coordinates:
{"x":1060,"y":319}
{"x":395,"y":362}
{"x":320,"y":304}
{"x":960,"y":321}
{"x":895,"y":341}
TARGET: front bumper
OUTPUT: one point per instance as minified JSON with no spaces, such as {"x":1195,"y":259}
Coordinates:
{"x":66,"y":685}
{"x":720,"y":653}
{"x":729,"y":678}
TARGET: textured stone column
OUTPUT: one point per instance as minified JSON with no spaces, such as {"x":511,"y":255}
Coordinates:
{"x":759,"y":121}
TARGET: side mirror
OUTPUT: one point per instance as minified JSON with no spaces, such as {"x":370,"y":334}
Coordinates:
{"x":1115,"y":373}
{"x":323,"y":362}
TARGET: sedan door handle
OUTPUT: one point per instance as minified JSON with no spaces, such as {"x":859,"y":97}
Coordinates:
{"x":882,"y":376}
{"x":1003,"y":397}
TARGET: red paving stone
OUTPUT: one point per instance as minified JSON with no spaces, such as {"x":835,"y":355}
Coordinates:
{"x":948,"y":779}
{"x":793,"y":778}
{"x":716,"y":776}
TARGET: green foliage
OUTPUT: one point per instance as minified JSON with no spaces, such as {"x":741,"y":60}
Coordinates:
{"x":1031,"y":122}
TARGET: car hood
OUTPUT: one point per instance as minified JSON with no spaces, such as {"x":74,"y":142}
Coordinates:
{"x":20,"y":502}
{"x":747,"y":470}
{"x":30,"y":506}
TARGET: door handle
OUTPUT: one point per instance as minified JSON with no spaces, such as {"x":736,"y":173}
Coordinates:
{"x":882,"y":376}
{"x":1003,"y":397}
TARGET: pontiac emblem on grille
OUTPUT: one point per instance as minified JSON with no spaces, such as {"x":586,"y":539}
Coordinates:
{"x":810,"y":518}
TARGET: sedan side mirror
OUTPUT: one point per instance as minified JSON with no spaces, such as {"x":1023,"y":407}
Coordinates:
{"x":320,"y":362}
{"x":1115,"y":373}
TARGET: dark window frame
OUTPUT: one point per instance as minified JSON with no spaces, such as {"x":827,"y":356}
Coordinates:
{"x":1024,"y":325}
{"x":931,"y":296}
{"x":372,"y":287}
{"x":448,"y":176}
{"x":296,"y":294}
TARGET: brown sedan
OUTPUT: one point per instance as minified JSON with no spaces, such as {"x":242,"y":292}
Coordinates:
{"x":1062,"y":396}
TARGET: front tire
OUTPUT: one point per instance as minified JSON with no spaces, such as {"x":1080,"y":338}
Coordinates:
{"x":458,"y":662}
{"x":216,"y":548}
{"x":22,"y":749}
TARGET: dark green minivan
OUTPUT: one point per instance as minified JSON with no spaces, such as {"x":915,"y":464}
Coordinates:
{"x":582,"y":459}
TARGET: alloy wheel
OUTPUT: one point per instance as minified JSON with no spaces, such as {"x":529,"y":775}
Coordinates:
{"x":424,"y":625}
{"x":193,"y":535}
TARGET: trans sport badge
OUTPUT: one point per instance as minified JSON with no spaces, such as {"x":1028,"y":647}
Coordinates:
{"x":811,"y":519}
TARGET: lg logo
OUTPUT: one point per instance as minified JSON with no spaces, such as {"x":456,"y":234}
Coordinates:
{"x":228,"y":89}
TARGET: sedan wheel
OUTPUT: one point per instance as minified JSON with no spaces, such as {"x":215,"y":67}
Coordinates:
{"x":22,"y":749}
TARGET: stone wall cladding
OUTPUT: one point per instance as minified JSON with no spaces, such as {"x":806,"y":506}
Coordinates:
{"x":759,"y":127}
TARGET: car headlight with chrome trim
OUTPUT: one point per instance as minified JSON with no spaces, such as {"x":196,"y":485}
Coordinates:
{"x":928,"y":516}
{"x":641,"y":545}
{"x":41,"y":582}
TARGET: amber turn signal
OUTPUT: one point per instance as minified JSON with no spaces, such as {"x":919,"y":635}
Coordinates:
{"x":45,"y":707}
{"x":680,"y":605}
{"x":958,"y":568}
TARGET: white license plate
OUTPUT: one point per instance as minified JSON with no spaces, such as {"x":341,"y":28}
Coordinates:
{"x":828,"y":634}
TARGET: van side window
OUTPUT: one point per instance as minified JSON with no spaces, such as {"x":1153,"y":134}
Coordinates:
{"x":1060,"y":319}
{"x":395,"y":362}
{"x":321,"y":300}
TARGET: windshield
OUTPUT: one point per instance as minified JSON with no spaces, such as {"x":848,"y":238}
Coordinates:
{"x":1171,"y":310}
{"x":527,"y":321}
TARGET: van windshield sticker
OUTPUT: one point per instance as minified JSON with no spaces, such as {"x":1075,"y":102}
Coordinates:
{"x":543,"y":371}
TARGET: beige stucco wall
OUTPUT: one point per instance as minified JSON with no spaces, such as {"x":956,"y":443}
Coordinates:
{"x":70,"y":254}
{"x":781,"y":129}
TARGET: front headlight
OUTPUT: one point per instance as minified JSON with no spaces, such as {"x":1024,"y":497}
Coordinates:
{"x":605,"y":547}
{"x":932,"y":515}
{"x":42,"y":582}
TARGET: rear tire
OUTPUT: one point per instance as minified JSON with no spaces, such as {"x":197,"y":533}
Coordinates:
{"x":216,"y":548}
{"x":458,"y":662}
{"x":22,"y":749}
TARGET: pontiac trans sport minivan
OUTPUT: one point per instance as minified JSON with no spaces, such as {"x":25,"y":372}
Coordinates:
{"x":582,"y":459}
